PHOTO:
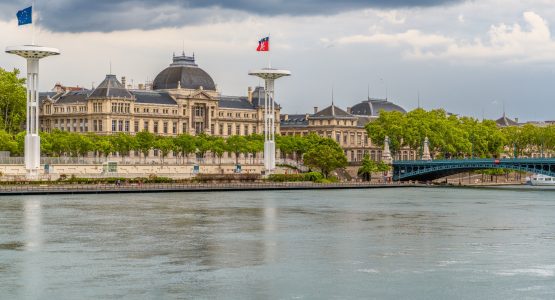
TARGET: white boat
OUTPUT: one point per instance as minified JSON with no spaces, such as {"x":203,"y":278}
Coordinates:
{"x":539,"y":179}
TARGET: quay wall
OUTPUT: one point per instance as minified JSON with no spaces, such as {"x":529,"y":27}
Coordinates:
{"x":14,"y":172}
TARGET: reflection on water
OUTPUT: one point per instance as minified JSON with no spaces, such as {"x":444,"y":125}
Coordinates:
{"x":395,"y":243}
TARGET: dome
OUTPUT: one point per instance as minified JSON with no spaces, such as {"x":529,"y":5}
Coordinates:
{"x":372,"y":107}
{"x":185,"y":73}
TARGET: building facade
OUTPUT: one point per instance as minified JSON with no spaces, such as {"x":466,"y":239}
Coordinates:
{"x":346,"y":127}
{"x":183,"y":99}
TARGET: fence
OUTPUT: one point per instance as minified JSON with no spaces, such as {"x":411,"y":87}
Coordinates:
{"x":183,"y":187}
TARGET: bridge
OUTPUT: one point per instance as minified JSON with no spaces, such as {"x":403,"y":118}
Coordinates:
{"x":425,"y":170}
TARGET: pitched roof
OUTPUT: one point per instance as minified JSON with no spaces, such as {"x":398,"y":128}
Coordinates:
{"x":505,"y":122}
{"x":79,"y":96}
{"x":293,"y":120}
{"x":110,"y":87}
{"x":235,"y":102}
{"x":153,"y":97}
{"x":332,"y":112}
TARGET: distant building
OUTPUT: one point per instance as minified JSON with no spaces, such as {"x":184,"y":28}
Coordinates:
{"x":504,"y":121}
{"x":347,"y":127}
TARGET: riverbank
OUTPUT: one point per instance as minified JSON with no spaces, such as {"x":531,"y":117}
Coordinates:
{"x":52,"y":189}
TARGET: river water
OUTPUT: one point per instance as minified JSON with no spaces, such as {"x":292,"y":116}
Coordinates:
{"x":406,"y":243}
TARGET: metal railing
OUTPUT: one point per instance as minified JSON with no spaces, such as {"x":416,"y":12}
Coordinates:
{"x":162,"y":187}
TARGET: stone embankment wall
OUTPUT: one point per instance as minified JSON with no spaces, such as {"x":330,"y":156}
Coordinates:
{"x":14,"y":172}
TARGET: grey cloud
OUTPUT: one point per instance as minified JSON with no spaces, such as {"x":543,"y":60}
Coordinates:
{"x":110,"y":15}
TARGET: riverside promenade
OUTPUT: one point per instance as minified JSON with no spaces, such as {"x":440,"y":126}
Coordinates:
{"x":51,"y":189}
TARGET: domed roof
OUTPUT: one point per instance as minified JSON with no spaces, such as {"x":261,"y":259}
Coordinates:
{"x":184,"y":73}
{"x":110,"y":87}
{"x":372,"y":107}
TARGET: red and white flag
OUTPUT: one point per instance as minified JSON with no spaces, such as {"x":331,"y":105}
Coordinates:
{"x":264,"y":44}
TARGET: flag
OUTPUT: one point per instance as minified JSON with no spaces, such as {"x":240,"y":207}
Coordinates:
{"x":25,"y":16}
{"x":264,"y":44}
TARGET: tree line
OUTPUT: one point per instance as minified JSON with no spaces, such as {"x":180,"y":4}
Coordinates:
{"x":316,"y":152}
{"x":452,"y":136}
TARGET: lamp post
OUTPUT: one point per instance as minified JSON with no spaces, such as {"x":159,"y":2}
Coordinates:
{"x":269,"y":75}
{"x":32,"y":53}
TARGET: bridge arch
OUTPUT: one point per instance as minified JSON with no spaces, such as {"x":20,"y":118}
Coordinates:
{"x":431,"y":170}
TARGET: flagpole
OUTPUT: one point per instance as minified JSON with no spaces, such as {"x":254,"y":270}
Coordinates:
{"x":269,"y":58}
{"x":33,"y":8}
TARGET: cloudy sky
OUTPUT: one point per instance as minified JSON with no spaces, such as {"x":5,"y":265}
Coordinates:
{"x":469,"y":57}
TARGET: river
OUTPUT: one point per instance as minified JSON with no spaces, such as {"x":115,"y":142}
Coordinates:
{"x":409,"y":243}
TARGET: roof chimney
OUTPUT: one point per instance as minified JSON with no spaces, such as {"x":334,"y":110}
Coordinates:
{"x":315,"y":109}
{"x":348,"y":110}
{"x":249,"y":94}
{"x":285,"y":117}
{"x":141,"y":86}
{"x":123,"y":81}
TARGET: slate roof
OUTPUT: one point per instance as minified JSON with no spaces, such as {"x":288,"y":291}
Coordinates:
{"x":153,"y":97}
{"x":235,"y":102}
{"x":73,"y":97}
{"x":186,"y":72}
{"x":293,"y":120}
{"x":258,"y":97}
{"x":505,"y":122}
{"x":110,"y":87}
{"x":332,"y":112}
{"x":372,"y":107}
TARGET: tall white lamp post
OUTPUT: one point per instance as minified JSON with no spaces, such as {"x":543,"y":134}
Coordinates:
{"x":269,"y":75}
{"x":32,"y":53}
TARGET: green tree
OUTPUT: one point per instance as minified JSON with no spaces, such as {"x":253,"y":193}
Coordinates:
{"x":236,"y":145}
{"x":218,"y":147}
{"x":185,"y":143}
{"x":7,"y":142}
{"x":326,"y":155}
{"x":144,"y":142}
{"x":12,"y":101}
{"x":165,"y":145}
{"x":123,"y":144}
{"x":203,"y":144}
{"x":367,"y":168}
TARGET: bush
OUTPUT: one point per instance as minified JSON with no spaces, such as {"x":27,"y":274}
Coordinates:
{"x":311,"y":176}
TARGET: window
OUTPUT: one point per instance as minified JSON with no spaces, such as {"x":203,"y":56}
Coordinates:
{"x":136,"y":126}
{"x":212,"y":129}
{"x":100,"y":125}
{"x":228,"y":129}
{"x":95,"y":126}
{"x":238,"y":129}
{"x":114,"y":125}
{"x":165,"y":127}
{"x":199,"y":127}
{"x":127,"y":126}
{"x":185,"y":127}
{"x":221,"y":132}
{"x":120,"y":127}
{"x":199,"y":111}
{"x":155,"y":126}
{"x":145,"y":126}
{"x":174,"y":127}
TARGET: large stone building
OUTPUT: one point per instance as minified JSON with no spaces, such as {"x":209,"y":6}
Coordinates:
{"x":346,"y":127}
{"x":183,"y":99}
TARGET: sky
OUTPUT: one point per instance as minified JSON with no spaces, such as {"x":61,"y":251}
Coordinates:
{"x":474,"y":58}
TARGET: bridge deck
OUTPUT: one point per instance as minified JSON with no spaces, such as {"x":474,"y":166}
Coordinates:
{"x":434,"y":169}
